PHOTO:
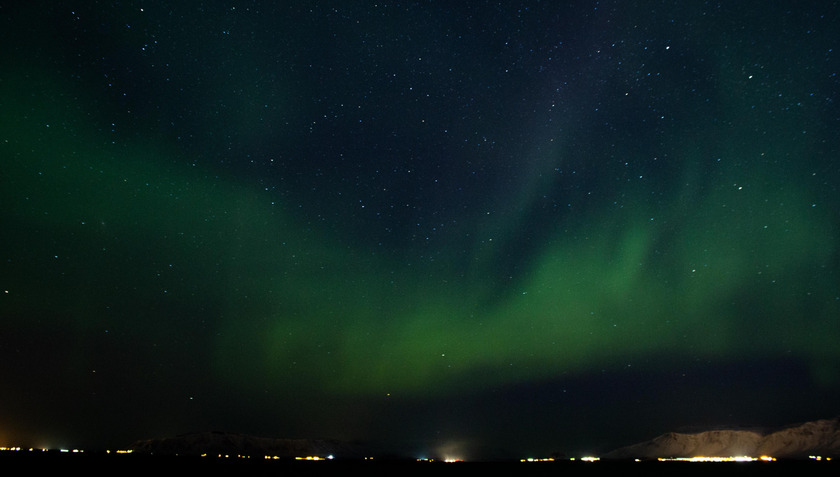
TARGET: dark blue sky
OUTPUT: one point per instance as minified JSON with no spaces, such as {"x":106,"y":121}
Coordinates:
{"x":492,"y":227}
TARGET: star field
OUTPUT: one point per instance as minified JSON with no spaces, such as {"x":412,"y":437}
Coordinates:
{"x":519,"y":226}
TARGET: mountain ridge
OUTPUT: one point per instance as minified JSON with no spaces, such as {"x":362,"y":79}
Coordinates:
{"x":820,"y":437}
{"x":232,"y":443}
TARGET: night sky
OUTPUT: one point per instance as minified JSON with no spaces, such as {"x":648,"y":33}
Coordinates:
{"x":466,"y":228}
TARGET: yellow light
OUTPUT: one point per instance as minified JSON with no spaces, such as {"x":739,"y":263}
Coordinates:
{"x":742,"y":458}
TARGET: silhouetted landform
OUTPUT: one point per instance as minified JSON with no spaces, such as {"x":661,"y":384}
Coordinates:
{"x":799,"y":441}
{"x":215,"y":443}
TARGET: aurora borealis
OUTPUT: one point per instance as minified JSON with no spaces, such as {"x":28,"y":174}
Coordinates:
{"x":518,"y":226}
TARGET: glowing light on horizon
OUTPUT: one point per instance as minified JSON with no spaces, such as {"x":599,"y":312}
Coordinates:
{"x":742,"y":458}
{"x":315,"y":457}
{"x":448,"y":460}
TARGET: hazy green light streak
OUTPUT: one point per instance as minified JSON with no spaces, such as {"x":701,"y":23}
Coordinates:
{"x":291,"y":309}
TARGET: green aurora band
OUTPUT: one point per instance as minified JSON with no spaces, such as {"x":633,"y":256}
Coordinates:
{"x":112,"y":238}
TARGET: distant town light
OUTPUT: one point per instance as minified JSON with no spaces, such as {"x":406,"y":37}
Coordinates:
{"x":742,"y":458}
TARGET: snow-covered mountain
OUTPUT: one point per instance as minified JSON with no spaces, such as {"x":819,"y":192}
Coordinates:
{"x":820,"y":437}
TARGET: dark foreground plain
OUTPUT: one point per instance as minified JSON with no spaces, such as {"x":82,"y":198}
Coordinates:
{"x":109,"y":464}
